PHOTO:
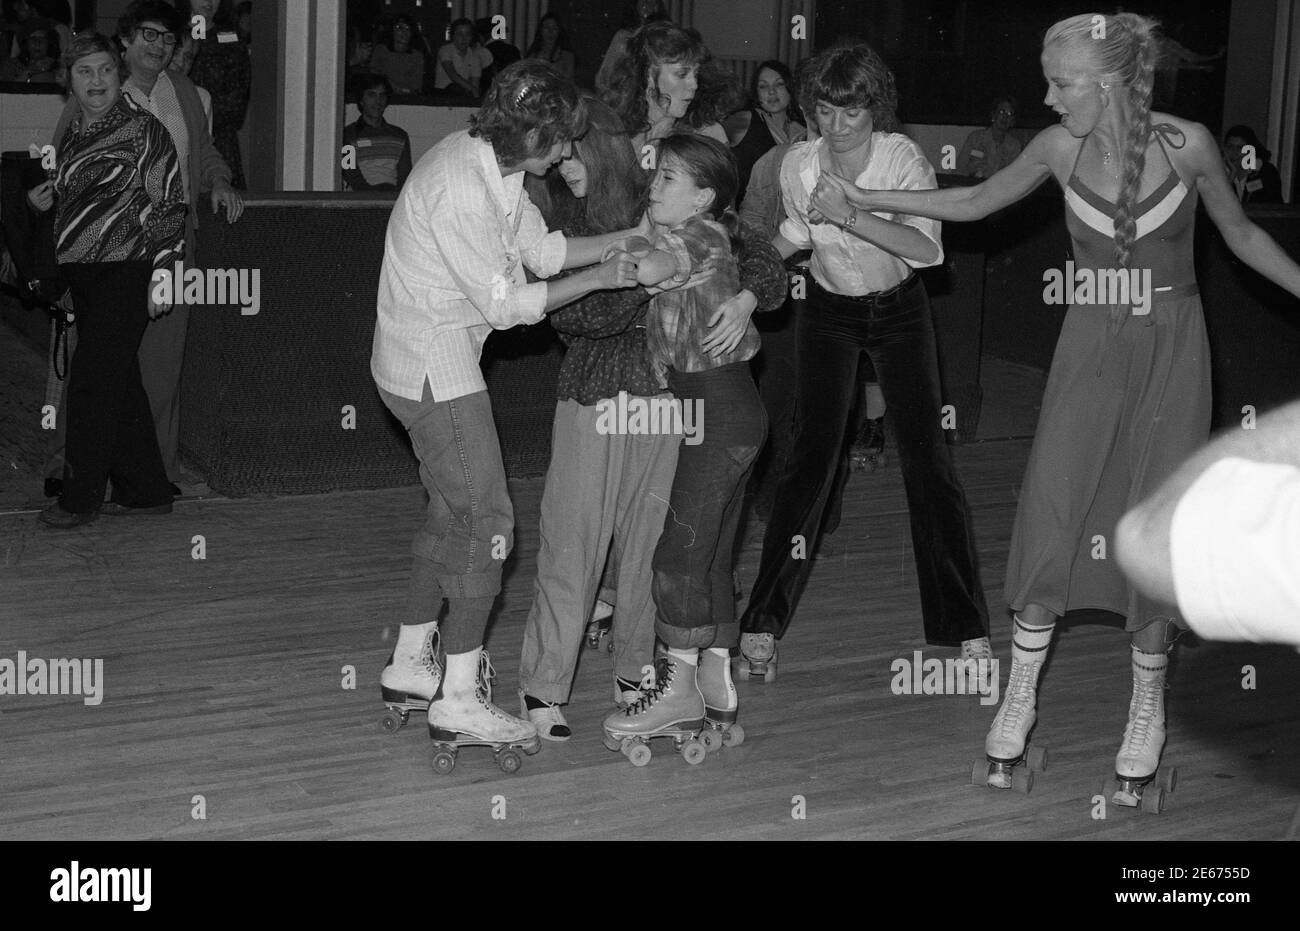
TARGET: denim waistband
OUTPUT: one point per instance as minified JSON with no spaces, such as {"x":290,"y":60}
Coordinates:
{"x":875,"y":298}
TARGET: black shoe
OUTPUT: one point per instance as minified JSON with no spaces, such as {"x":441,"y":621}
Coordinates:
{"x":176,"y":490}
{"x":55,"y":516}
{"x":53,"y":487}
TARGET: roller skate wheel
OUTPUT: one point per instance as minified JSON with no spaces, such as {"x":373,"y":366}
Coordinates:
{"x":391,"y":722}
{"x":733,"y":736}
{"x":693,"y":752}
{"x":1036,"y":759}
{"x":769,"y":674}
{"x":1109,"y":787}
{"x":509,"y":761}
{"x":1153,"y":799}
{"x":1022,"y":781}
{"x":444,"y":761}
{"x":638,"y":754}
{"x":711,"y":740}
{"x":611,"y":742}
{"x":979,"y":773}
{"x":1167,"y":779}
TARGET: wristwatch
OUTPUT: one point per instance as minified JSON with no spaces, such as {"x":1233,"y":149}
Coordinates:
{"x":852,"y":219}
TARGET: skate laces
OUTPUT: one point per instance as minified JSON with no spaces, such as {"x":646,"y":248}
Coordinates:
{"x":486,"y":673}
{"x":1142,"y":712}
{"x":664,"y":673}
{"x":429,"y":655}
{"x":1020,"y":697}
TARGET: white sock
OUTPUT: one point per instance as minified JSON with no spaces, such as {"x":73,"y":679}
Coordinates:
{"x":721,"y":653}
{"x":689,"y":657}
{"x":461,"y":674}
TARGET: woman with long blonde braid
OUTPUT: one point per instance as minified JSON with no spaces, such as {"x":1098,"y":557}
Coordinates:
{"x":1128,"y":396}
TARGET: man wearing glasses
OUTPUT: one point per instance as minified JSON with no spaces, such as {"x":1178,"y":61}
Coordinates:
{"x":987,"y":151}
{"x":150,"y":31}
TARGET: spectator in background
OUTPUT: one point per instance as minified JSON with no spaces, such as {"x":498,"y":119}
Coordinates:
{"x":39,"y":61}
{"x":402,"y":60}
{"x":642,"y":12}
{"x":774,"y":120}
{"x":120,"y":214}
{"x":551,"y":45}
{"x":222,"y":67}
{"x":183,"y":62}
{"x":383,"y":151}
{"x":1253,"y":176}
{"x":462,"y":61}
{"x":989,"y":150}
{"x":503,"y":53}
{"x":358,"y":51}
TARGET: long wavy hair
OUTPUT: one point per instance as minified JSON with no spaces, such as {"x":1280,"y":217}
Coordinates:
{"x":529,"y":108}
{"x":792,"y":110}
{"x":665,"y":43}
{"x":1124,"y":49}
{"x":615,"y":182}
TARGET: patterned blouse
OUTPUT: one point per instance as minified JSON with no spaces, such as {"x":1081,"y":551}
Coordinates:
{"x":119,"y":190}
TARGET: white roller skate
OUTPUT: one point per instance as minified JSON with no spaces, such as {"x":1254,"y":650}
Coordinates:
{"x":409,"y":682}
{"x":756,"y":656}
{"x":673,"y":707}
{"x":721,"y":706}
{"x":1140,"y":781}
{"x":466,"y":717}
{"x":977,"y":654}
{"x":1004,"y":747}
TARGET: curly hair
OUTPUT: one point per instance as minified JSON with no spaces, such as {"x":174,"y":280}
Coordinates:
{"x":851,"y":76}
{"x":665,"y":43}
{"x":1124,"y":52}
{"x":528,"y":109}
{"x":145,"y":11}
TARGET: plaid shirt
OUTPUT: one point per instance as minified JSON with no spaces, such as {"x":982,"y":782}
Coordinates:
{"x":678,"y":320}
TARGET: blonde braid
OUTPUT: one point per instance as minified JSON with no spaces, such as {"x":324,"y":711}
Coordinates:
{"x":1141,"y":79}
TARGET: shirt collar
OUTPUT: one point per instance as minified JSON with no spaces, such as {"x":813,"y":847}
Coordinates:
{"x":504,"y":190}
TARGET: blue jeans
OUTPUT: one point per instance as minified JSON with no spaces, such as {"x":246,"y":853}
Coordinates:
{"x":694,"y":589}
{"x":469,"y":529}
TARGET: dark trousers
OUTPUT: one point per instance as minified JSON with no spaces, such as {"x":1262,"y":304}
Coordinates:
{"x":898,"y":334}
{"x":110,"y":429}
{"x":693,"y":587}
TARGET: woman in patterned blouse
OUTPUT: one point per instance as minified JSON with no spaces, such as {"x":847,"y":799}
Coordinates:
{"x":119,"y":216}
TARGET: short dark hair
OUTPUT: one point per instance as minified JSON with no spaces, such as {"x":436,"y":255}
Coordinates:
{"x":851,"y":76}
{"x":528,"y":98}
{"x":364,"y":82}
{"x":146,"y":11}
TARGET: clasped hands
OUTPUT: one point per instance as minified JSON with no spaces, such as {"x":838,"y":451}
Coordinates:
{"x":835,"y":198}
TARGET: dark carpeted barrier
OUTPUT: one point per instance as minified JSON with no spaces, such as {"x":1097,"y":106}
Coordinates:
{"x":283,"y":401}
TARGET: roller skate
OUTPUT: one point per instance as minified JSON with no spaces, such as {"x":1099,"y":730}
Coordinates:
{"x":409,"y":682}
{"x":1004,"y":747}
{"x":756,"y":657}
{"x":598,"y":628}
{"x":469,"y":719}
{"x":977,"y":654}
{"x":628,"y":692}
{"x":1140,"y":781}
{"x":721,"y":706}
{"x":868,"y":451}
{"x":672,"y":707}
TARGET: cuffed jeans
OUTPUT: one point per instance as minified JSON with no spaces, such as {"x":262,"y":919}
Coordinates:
{"x":469,"y":529}
{"x":898,"y":334}
{"x":606,"y":494}
{"x":694,"y":589}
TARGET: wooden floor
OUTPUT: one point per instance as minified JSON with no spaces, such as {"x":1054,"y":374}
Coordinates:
{"x":224,"y":679}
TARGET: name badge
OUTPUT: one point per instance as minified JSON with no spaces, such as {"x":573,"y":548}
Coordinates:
{"x":224,"y":37}
{"x":976,"y":153}
{"x":1254,"y":185}
{"x":363,"y":143}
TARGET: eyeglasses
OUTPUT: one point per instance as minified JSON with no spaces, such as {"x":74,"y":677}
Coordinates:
{"x":153,"y":35}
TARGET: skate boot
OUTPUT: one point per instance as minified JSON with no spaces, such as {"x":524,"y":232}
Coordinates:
{"x":598,"y":627}
{"x":629,"y":692}
{"x":1139,"y":780}
{"x":463,"y":716}
{"x":977,"y":654}
{"x":757,"y":656}
{"x":721,"y":706}
{"x":672,"y":707}
{"x":409,"y":681}
{"x":1004,"y":747}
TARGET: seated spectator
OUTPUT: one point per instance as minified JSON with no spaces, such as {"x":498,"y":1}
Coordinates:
{"x":1253,"y":176}
{"x":987,"y":151}
{"x":383,"y":151}
{"x":551,"y":45}
{"x":402,"y":59}
{"x":503,"y":53}
{"x":39,"y":60}
{"x":461,"y":61}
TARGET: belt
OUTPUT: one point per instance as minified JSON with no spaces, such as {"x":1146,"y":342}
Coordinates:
{"x":875,"y":298}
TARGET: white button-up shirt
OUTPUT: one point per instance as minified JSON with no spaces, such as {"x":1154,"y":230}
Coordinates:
{"x":454,"y":256}
{"x":842,"y":262}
